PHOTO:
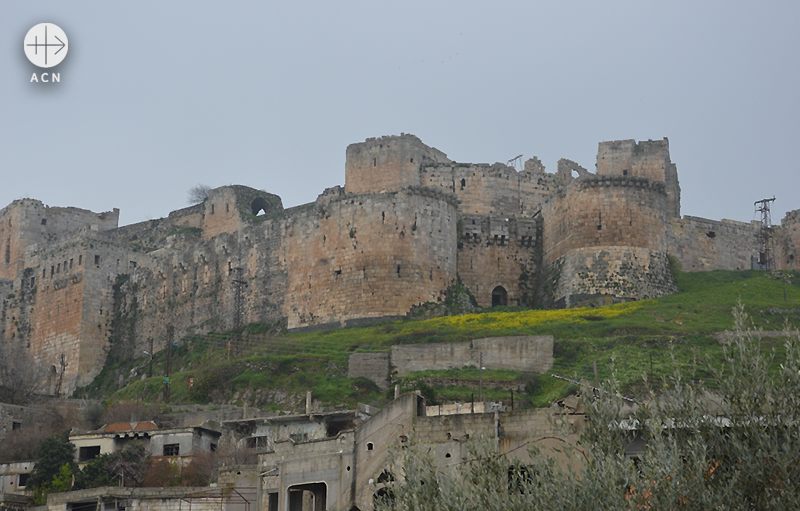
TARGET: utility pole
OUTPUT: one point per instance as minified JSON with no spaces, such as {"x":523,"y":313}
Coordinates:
{"x":239,"y":285}
{"x":168,"y":367}
{"x":480,"y":377}
{"x":764,"y":235}
{"x":150,"y":370}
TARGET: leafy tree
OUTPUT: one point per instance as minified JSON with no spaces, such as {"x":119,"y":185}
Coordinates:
{"x":95,"y":474}
{"x":53,"y":453}
{"x":729,"y":443}
{"x":61,"y":482}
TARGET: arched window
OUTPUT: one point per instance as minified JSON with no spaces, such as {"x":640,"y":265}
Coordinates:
{"x":499,"y":296}
{"x":260,"y":205}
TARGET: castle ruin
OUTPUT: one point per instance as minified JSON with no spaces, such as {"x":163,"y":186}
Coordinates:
{"x":408,"y":223}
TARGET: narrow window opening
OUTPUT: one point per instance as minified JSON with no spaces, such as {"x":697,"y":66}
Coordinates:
{"x":398,"y":270}
{"x":463,"y":184}
{"x":412,"y":160}
{"x":625,"y":172}
{"x":227,"y":207}
{"x":33,"y":281}
{"x":374,"y":162}
{"x":80,"y":259}
{"x":44,"y":221}
{"x":44,"y":273}
{"x":58,"y":268}
{"x":212,"y":212}
{"x":70,"y":264}
{"x":370,"y":446}
{"x":97,"y":259}
{"x":52,"y":270}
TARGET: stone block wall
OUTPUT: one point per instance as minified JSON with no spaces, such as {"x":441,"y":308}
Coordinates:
{"x":497,"y":251}
{"x":703,"y":245}
{"x":584,"y":276}
{"x":605,"y":211}
{"x":368,"y":256}
{"x":372,"y":366}
{"x":523,"y":353}
{"x":497,"y":189}
{"x":787,"y":245}
{"x":648,"y":159}
{"x":387,"y":164}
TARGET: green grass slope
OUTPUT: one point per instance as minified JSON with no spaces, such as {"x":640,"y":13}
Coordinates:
{"x":274,"y":371}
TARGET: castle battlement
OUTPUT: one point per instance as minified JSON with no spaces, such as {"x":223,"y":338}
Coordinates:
{"x":407,"y":224}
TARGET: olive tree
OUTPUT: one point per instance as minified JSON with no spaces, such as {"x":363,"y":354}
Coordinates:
{"x":729,"y":442}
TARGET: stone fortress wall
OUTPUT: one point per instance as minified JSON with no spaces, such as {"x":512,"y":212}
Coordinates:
{"x":407,"y":225}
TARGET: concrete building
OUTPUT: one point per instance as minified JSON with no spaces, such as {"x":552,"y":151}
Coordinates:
{"x":180,"y":443}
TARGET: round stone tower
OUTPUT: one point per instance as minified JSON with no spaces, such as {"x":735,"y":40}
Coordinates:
{"x":604,"y":240}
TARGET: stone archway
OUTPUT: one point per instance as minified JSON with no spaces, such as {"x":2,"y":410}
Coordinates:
{"x":260,"y":205}
{"x":499,"y":296}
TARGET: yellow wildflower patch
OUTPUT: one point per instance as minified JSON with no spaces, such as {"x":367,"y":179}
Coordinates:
{"x":520,"y":320}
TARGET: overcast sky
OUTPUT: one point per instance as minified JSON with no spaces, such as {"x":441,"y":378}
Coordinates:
{"x":158,"y":96}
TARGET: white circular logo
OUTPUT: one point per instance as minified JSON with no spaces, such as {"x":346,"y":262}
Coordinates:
{"x":46,"y":45}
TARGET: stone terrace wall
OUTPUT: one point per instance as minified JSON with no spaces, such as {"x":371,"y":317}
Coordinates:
{"x":387,"y":164}
{"x":702,"y":245}
{"x":523,"y":353}
{"x":372,"y":366}
{"x":368,"y":256}
{"x":498,"y":251}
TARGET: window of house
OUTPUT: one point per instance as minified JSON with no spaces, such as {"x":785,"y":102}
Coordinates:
{"x":97,"y":259}
{"x":172,"y":449}
{"x":213,"y":447}
{"x":80,"y":259}
{"x":370,"y":446}
{"x":22,"y":480}
{"x":44,"y":221}
{"x":88,"y":453}
{"x":16,"y":425}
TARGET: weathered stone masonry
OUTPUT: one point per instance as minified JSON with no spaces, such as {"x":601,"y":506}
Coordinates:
{"x":408,"y":223}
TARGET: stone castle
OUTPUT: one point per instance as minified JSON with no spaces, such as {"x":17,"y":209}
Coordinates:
{"x":407,"y":225}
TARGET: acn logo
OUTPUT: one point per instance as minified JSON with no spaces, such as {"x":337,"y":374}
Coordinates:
{"x":46,"y":45}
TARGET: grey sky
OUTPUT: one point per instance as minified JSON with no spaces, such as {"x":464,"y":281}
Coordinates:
{"x":158,"y":96}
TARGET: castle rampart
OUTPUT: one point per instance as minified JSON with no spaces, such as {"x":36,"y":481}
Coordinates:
{"x":408,"y":223}
{"x":387,"y":164}
{"x":607,"y":237}
{"x":368,"y":256}
{"x":787,"y":248}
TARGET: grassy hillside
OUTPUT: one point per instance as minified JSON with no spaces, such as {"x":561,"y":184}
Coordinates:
{"x":270,"y":370}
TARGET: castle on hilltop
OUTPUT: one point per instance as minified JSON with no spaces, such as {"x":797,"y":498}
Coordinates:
{"x":407,"y":225}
